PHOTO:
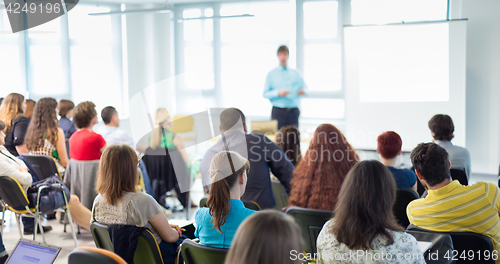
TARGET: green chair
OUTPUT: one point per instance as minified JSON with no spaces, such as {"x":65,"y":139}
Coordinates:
{"x":101,"y":236}
{"x":194,"y":253}
{"x":280,"y":195}
{"x":248,"y":204}
{"x":311,"y":222}
{"x":85,"y":255}
{"x":148,"y":249}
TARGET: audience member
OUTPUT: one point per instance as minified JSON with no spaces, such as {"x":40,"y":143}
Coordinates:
{"x":389,"y":148}
{"x":3,"y":253}
{"x":1,"y":100}
{"x":85,"y":144}
{"x":450,"y":206}
{"x":319,"y":176}
{"x":12,"y":114}
{"x":266,"y":238}
{"x":30,"y":105}
{"x":44,"y":136}
{"x":442,"y":129}
{"x":162,"y":137}
{"x":263,"y":154}
{"x":364,"y":220}
{"x":288,"y":139}
{"x":65,"y":108}
{"x":119,"y":203}
{"x":217,"y":224}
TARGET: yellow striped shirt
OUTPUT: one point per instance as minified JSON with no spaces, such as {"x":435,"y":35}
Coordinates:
{"x":458,"y":208}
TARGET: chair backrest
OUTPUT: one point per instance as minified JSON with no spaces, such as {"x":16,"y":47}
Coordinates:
{"x":465,"y":242}
{"x":148,"y":250}
{"x":101,"y":236}
{"x":263,"y":127}
{"x":441,"y":246}
{"x":279,"y":194}
{"x":248,"y":204}
{"x":403,"y":197}
{"x":194,"y":253}
{"x":12,"y":192}
{"x":460,"y":175}
{"x":80,"y":177}
{"x":44,"y":166}
{"x":311,"y":222}
{"x":84,"y":255}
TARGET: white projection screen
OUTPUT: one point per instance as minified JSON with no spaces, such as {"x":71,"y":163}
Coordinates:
{"x":398,"y":76}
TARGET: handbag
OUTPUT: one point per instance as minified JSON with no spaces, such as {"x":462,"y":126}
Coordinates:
{"x":52,"y":197}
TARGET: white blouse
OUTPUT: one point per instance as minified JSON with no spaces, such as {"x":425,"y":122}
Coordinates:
{"x":405,"y":249}
{"x":10,"y":166}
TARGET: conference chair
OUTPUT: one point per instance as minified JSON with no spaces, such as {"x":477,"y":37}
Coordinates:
{"x":194,"y":253}
{"x":14,"y":196}
{"x":44,"y":166}
{"x":459,"y":174}
{"x":441,"y":246}
{"x":311,"y":222}
{"x":403,"y":197}
{"x":466,"y":243}
{"x":85,"y":255}
{"x":279,"y":194}
{"x":80,"y":177}
{"x":100,"y":235}
{"x":264,"y":127}
{"x":252,"y":205}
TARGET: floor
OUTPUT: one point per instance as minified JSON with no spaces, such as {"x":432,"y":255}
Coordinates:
{"x":57,"y":237}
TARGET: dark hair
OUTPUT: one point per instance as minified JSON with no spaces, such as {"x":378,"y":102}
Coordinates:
{"x":431,"y":160}
{"x":83,"y":114}
{"x":283,"y":48}
{"x":223,"y":179}
{"x":230,"y":117}
{"x":389,"y":144}
{"x":319,"y":175}
{"x":64,"y":107}
{"x":442,"y":127}
{"x":1,"y":100}
{"x":117,"y":173}
{"x":288,"y":139}
{"x":364,"y":207}
{"x":30,"y":105}
{"x":2,"y":125}
{"x":107,"y":113}
{"x":43,"y":124}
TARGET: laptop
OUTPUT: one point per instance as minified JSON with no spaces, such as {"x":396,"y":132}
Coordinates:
{"x":32,"y":252}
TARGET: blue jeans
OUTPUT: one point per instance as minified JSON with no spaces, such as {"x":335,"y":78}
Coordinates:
{"x":145,"y":178}
{"x":169,"y":250}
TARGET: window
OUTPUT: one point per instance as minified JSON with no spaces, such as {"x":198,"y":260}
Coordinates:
{"x":11,"y":60}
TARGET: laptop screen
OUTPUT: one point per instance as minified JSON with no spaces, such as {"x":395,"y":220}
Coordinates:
{"x":32,"y":253}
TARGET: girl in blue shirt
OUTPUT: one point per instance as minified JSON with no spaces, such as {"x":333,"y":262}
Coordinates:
{"x":217,"y":224}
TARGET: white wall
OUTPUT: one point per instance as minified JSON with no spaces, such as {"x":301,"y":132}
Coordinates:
{"x":483,"y":81}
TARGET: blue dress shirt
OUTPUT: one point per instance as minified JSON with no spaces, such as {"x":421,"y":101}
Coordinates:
{"x":67,"y":126}
{"x":284,"y":78}
{"x":209,"y":236}
{"x":405,"y":178}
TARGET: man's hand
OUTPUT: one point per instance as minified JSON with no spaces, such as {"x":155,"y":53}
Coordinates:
{"x":283,"y":93}
{"x":301,"y":92}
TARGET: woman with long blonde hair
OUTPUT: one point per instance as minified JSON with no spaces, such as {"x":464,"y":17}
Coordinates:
{"x":162,"y":137}
{"x":16,"y":124}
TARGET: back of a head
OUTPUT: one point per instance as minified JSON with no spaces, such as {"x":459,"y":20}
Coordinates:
{"x":83,"y":114}
{"x":230,"y":117}
{"x":225,"y":169}
{"x":442,"y":126}
{"x":11,"y":108}
{"x":64,"y":107}
{"x":43,"y":124}
{"x":30,"y":105}
{"x":431,"y":160}
{"x":288,"y":139}
{"x":107,"y":113}
{"x":117,"y":172}
{"x":266,"y":238}
{"x":389,"y":144}
{"x":365,"y":205}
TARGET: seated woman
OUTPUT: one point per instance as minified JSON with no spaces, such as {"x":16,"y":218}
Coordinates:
{"x":119,"y":203}
{"x":162,"y":137}
{"x":65,"y":108}
{"x":288,"y":138}
{"x":14,"y":167}
{"x":319,"y":176}
{"x":217,"y":224}
{"x":16,"y":124}
{"x":364,"y":220}
{"x":30,"y":106}
{"x":266,"y":238}
{"x":44,"y":136}
{"x":85,"y":144}
{"x":389,"y":148}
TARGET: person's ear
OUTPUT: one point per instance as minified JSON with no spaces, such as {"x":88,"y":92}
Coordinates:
{"x":400,"y":152}
{"x":449,"y":164}
{"x":378,"y":151}
{"x":245,"y":127}
{"x":242,"y":178}
{"x":419,"y":176}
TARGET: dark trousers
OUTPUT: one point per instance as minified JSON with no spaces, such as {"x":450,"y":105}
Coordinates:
{"x":169,"y":250}
{"x":286,"y":116}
